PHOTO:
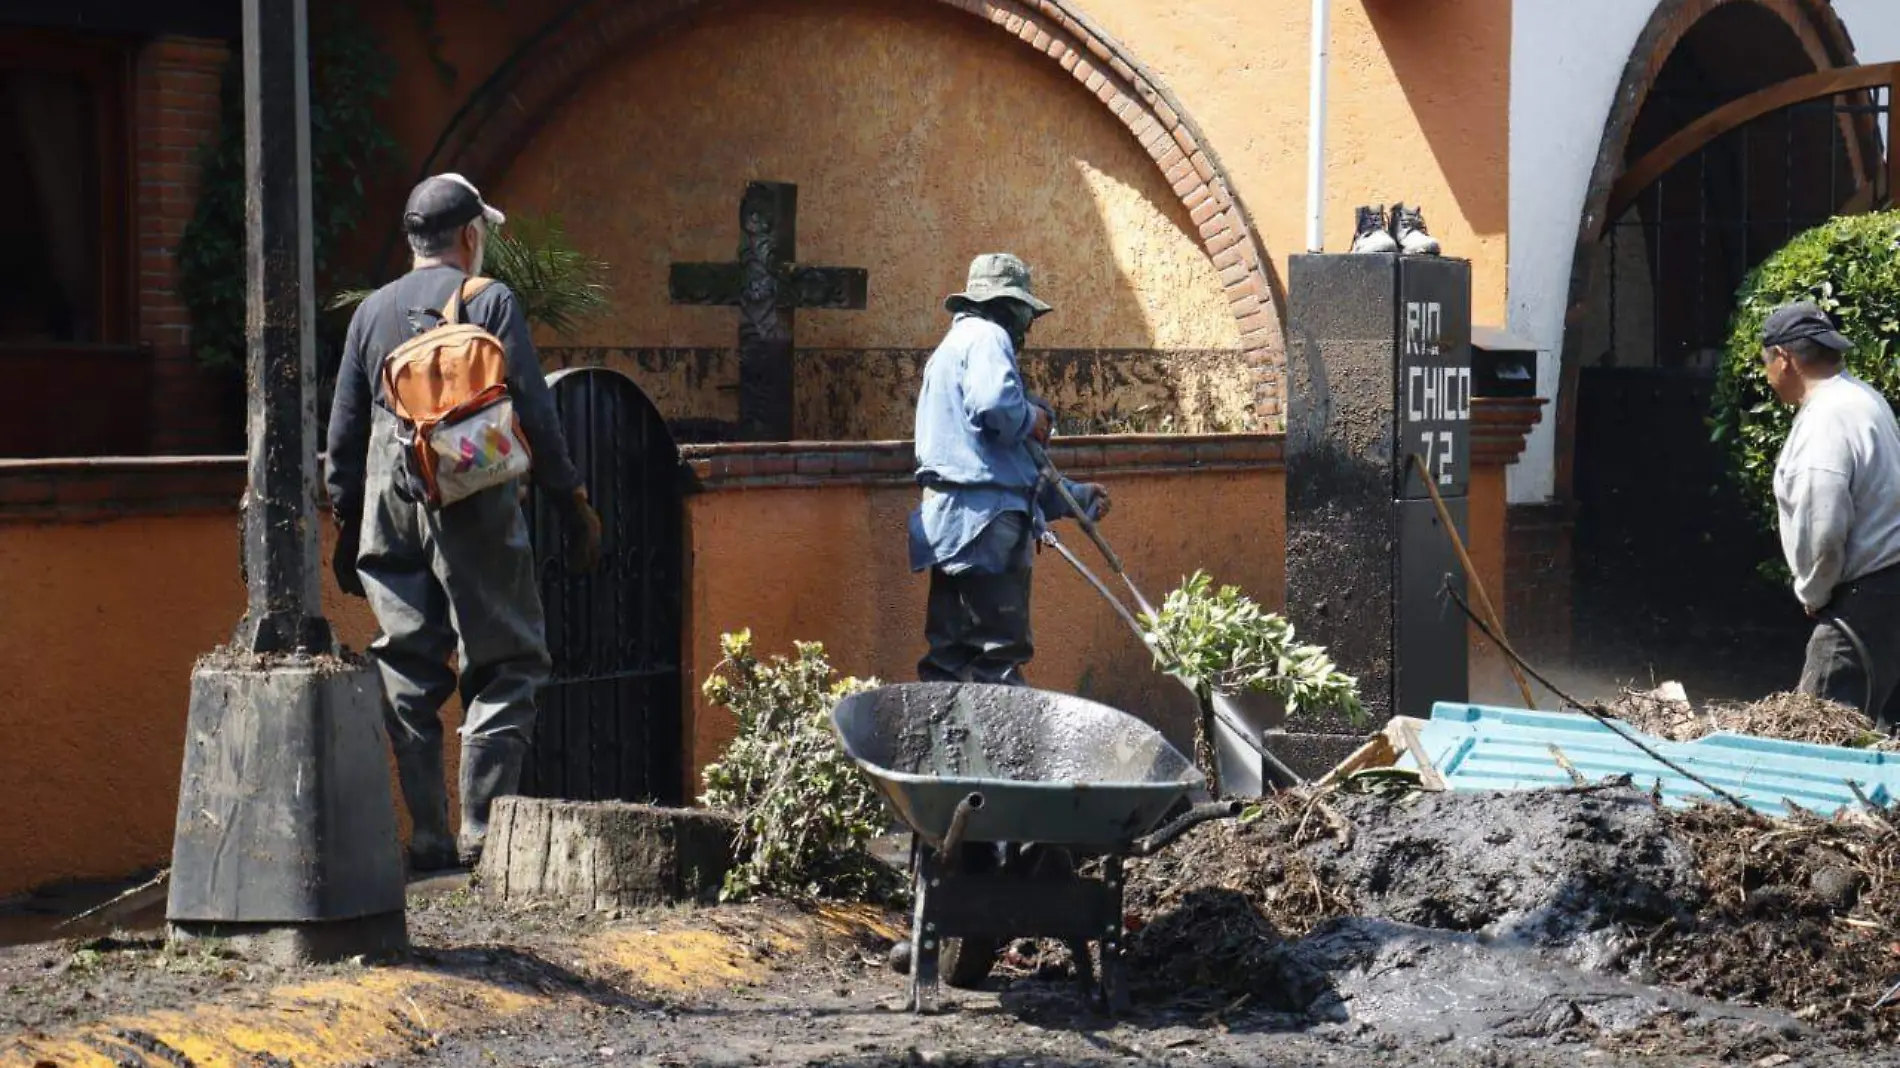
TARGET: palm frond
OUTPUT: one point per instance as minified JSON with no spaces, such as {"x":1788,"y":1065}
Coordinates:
{"x":556,"y":285}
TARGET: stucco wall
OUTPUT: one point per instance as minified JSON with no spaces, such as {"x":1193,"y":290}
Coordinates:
{"x":837,"y":567}
{"x":1566,"y":62}
{"x":96,"y":679}
{"x":95,"y":670}
{"x":1419,"y":114}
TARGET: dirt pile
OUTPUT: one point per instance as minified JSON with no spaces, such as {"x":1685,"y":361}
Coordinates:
{"x":1792,"y":716}
{"x":1799,"y":914}
{"x":1723,"y":905}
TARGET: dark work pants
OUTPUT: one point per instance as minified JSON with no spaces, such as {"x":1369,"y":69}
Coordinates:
{"x":1835,"y":668}
{"x":977,"y":624}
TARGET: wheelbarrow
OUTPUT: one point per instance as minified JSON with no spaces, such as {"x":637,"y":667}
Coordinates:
{"x":1006,"y":790}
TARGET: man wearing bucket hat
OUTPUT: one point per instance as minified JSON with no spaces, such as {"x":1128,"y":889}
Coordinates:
{"x":1837,"y":495}
{"x":461,"y":577}
{"x":983,"y":505}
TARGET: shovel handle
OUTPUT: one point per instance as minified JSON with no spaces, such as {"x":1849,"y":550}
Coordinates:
{"x":1048,"y":471}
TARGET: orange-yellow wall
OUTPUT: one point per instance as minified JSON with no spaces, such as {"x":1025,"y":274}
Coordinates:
{"x":95,"y":669}
{"x":1419,"y":112}
{"x":104,"y":622}
{"x":868,"y":609}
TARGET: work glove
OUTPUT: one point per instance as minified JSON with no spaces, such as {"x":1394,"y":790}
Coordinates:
{"x":343,"y":560}
{"x":1093,"y":497}
{"x":583,"y":534}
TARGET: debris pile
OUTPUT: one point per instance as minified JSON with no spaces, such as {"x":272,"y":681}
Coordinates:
{"x":1667,"y":713}
{"x":1726,"y":905}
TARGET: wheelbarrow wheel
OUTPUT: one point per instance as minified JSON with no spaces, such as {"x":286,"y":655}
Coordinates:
{"x":967,"y":962}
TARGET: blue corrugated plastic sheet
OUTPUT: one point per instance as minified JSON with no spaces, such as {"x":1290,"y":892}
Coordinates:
{"x":1476,"y":747}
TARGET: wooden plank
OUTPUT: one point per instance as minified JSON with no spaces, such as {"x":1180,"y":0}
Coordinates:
{"x":1429,"y":778}
{"x":1686,"y":142}
{"x":1378,"y":752}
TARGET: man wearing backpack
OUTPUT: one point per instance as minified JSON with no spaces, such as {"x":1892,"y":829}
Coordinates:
{"x":442,"y":555}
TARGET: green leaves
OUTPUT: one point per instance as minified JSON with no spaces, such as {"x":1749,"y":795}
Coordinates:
{"x":1850,"y":266}
{"x":555,"y":285}
{"x":806,"y":813}
{"x":1219,"y":640}
{"x":350,"y":76}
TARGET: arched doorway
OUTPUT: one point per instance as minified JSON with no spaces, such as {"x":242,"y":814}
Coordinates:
{"x":609,"y":723}
{"x":1723,"y":151}
{"x":503,"y":115}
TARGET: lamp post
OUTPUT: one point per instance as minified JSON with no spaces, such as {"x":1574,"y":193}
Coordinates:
{"x":285,"y":844}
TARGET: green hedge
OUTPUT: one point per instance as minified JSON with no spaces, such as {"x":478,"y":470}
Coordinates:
{"x":1850,"y":266}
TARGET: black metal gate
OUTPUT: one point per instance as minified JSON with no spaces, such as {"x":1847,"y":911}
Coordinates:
{"x":609,"y":726}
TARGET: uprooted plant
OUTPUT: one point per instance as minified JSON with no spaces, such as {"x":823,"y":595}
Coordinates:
{"x":806,"y":813}
{"x":1220,"y":641}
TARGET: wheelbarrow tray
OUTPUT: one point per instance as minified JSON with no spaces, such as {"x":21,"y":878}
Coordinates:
{"x":1050,"y":767}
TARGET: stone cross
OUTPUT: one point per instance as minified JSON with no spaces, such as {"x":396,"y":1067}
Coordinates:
{"x":767,"y":284}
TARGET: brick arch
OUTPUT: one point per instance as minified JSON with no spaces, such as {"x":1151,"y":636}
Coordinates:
{"x":1822,"y":38}
{"x":496,"y":124}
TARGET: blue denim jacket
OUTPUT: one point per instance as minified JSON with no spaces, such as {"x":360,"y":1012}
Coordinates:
{"x":973,"y":424}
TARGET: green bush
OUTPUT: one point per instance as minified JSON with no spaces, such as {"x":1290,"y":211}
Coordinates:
{"x":1850,"y":266}
{"x":806,"y":813}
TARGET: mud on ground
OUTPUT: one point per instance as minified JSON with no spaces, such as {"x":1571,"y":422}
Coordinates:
{"x":1781,"y":925}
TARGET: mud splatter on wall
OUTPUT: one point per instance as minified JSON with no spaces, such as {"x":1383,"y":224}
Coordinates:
{"x":918,"y":137}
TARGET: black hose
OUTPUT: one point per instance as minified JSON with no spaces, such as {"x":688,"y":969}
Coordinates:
{"x":1194,"y":817}
{"x":1866,"y":662}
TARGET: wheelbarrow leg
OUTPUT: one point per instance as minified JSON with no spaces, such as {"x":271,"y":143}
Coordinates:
{"x":924,"y":943}
{"x":1114,"y":990}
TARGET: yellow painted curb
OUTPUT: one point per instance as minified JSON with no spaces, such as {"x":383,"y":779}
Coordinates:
{"x":387,"y":1012}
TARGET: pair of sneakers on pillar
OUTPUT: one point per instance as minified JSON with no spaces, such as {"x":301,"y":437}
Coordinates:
{"x":1402,"y":231}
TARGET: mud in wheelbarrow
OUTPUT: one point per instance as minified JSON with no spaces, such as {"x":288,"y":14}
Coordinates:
{"x":1053,"y":780}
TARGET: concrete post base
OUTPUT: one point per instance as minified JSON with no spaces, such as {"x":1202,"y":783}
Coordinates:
{"x":286,"y":841}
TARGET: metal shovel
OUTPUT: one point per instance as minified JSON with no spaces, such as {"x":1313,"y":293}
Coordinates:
{"x":1046,"y":472}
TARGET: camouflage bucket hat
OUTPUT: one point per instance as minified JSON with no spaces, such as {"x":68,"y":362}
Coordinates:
{"x":993,"y":276}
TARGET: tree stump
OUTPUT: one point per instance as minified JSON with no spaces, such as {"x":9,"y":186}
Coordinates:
{"x":599,"y":855}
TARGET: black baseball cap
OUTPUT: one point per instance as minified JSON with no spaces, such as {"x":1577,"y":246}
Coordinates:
{"x":1802,"y":321}
{"x":445,"y":202}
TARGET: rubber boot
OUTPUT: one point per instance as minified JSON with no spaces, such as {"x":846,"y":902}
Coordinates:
{"x":425,"y":793}
{"x":491,"y":768}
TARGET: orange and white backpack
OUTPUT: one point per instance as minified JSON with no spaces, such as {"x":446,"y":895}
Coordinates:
{"x":449,"y":386}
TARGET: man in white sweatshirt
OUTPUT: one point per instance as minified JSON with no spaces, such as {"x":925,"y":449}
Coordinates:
{"x":1837,"y":491}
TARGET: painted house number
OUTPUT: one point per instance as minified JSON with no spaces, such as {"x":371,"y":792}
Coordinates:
{"x":1433,"y":394}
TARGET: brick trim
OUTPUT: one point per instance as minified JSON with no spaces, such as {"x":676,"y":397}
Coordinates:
{"x":92,"y":490}
{"x":1500,"y":426}
{"x":490,"y":132}
{"x":1827,"y":44}
{"x":179,"y":85}
{"x":794,"y":465}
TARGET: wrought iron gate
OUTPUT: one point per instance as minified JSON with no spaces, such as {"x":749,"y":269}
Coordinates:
{"x":609,"y":726}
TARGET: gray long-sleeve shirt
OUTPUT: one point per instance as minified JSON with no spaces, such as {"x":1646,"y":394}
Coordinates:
{"x":400,"y":311}
{"x":1837,"y":488}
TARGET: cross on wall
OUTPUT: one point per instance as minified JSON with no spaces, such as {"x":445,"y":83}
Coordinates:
{"x":767,"y":285}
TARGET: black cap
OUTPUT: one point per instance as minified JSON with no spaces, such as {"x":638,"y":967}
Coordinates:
{"x":1802,"y":321}
{"x":445,"y":202}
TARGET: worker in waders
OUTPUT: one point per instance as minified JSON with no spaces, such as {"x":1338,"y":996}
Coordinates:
{"x":984,"y":507}
{"x":458,"y":577}
{"x":1837,"y":495}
